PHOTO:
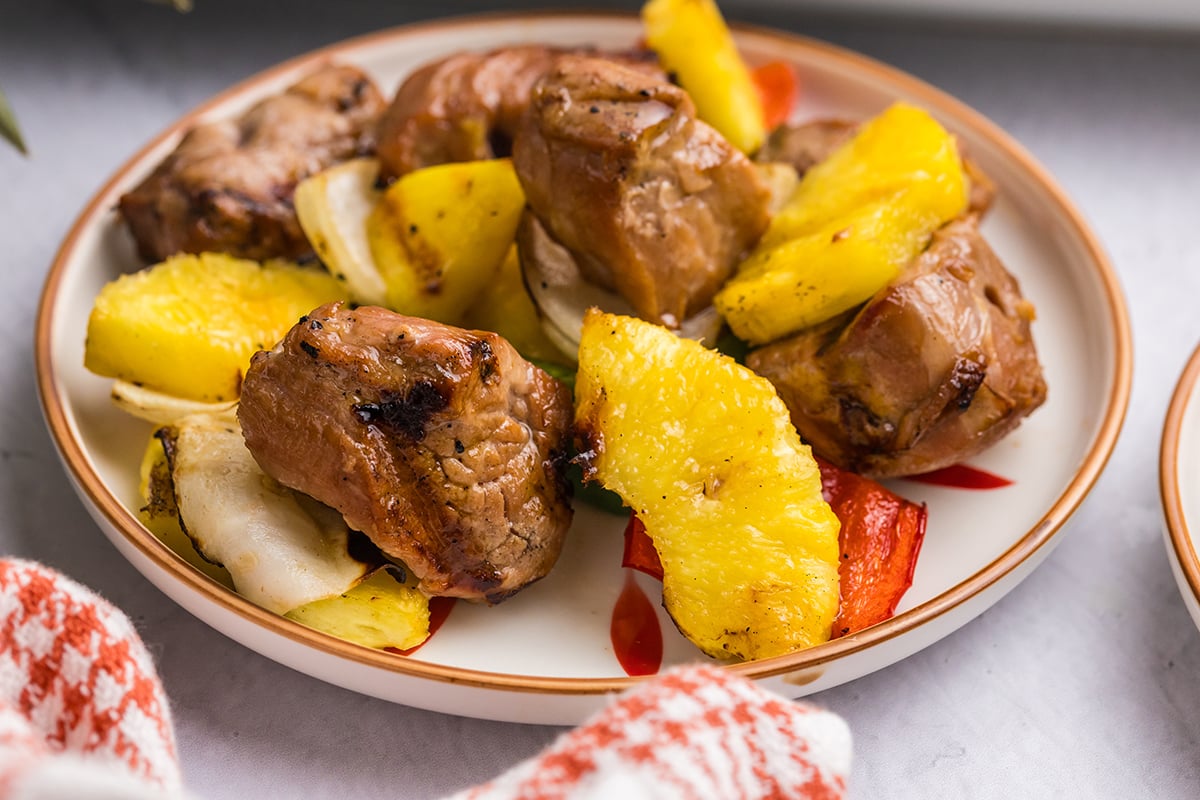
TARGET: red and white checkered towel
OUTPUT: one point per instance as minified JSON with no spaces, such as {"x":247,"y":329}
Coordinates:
{"x":83,"y":716}
{"x":82,"y":713}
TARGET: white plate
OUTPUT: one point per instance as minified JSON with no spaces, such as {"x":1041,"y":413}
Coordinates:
{"x":1179,"y":482}
{"x":545,"y":655}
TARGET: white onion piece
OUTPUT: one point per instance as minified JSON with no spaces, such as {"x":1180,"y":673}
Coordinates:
{"x":159,"y":407}
{"x":281,"y":548}
{"x":562,"y":294}
{"x":333,"y":207}
{"x":703,"y":326}
{"x":558,"y":289}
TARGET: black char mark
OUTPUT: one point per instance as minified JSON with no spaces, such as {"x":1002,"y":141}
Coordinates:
{"x":407,"y":414}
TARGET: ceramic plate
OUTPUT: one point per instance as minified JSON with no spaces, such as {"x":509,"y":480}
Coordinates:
{"x":1179,"y":476}
{"x":545,"y":655}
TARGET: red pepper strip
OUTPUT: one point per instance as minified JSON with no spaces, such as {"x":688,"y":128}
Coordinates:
{"x":639,"y":549}
{"x":880,"y":540}
{"x":960,"y":476}
{"x":778,"y":87}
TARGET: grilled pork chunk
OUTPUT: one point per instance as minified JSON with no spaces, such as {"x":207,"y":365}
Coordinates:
{"x":651,"y":201}
{"x":805,"y":144}
{"x":228,"y":186}
{"x":468,"y":106}
{"x":442,"y":445}
{"x":461,"y":108}
{"x":933,"y":369}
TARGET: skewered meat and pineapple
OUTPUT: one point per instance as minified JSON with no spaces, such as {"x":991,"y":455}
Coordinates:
{"x":447,"y":449}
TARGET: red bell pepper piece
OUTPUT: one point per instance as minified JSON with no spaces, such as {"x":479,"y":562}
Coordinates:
{"x":880,"y":540}
{"x":639,"y":549}
{"x":879,"y":543}
{"x":778,"y":87}
{"x":961,"y":476}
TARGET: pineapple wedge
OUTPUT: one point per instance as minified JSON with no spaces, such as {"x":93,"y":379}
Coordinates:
{"x":379,"y":612}
{"x":852,"y":224}
{"x":693,"y":42}
{"x":334,"y":207}
{"x":439,"y":236}
{"x":188,"y":326}
{"x":703,"y":450}
{"x":898,"y":149}
{"x":506,"y":308}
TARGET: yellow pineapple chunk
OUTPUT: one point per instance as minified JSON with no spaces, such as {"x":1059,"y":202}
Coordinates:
{"x":852,"y":224}
{"x":900,"y":148}
{"x":693,"y":42}
{"x":378,"y":612}
{"x":704,"y":452}
{"x":188,"y":326}
{"x":507,"y":309}
{"x":439,"y":235}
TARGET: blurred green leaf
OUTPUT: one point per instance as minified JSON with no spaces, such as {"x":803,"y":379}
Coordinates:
{"x":8,"y":125}
{"x":180,"y":5}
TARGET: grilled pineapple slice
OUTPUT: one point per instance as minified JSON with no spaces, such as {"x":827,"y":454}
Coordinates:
{"x":693,"y":42}
{"x":379,"y":612}
{"x":439,"y":235}
{"x":507,"y":309}
{"x":188,"y":326}
{"x":702,"y":449}
{"x":852,"y":224}
{"x":900,"y":148}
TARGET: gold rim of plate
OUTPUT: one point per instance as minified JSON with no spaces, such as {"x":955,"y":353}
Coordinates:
{"x":1168,"y":474}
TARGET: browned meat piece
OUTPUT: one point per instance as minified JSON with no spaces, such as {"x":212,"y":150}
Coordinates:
{"x":442,"y":445}
{"x":457,"y":108}
{"x":805,"y":144}
{"x":933,"y":369}
{"x":228,"y":186}
{"x":651,"y":201}
{"x":981,"y":192}
{"x":468,"y":106}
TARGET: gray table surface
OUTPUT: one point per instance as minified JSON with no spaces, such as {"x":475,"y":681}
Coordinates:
{"x":1084,"y":682}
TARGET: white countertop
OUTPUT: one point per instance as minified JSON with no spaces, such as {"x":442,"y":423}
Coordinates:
{"x":1084,"y":682}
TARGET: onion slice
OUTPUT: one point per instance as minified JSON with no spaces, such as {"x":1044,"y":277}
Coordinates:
{"x":333,"y":207}
{"x":159,"y":407}
{"x":562,"y":295}
{"x":282,"y":549}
